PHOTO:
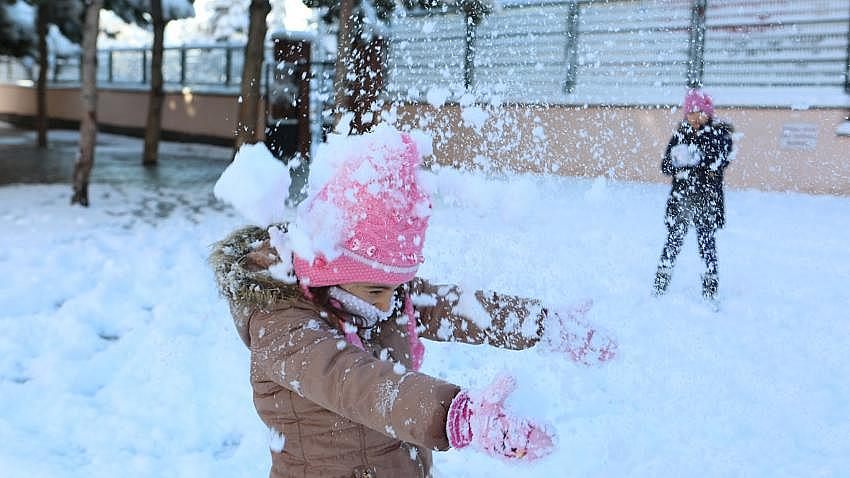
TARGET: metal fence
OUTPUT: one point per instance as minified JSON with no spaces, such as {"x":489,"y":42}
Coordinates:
{"x":553,"y":51}
{"x":537,"y":50}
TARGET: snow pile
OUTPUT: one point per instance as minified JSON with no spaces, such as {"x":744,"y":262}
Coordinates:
{"x":118,"y":358}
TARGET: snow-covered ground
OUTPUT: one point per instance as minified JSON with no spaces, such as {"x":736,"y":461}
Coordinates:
{"x":117,"y":357}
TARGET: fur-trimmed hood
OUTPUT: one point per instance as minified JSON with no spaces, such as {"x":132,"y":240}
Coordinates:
{"x":240,"y":264}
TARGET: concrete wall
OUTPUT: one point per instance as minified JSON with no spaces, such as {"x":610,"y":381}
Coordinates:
{"x":778,"y":149}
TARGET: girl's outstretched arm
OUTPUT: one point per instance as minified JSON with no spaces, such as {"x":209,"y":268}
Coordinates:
{"x":450,"y":313}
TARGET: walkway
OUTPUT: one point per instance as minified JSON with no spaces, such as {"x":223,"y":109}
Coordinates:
{"x":117,"y":160}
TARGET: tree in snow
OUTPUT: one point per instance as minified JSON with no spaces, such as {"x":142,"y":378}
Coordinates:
{"x":361,"y":51}
{"x":249,"y":99}
{"x":131,"y":11}
{"x":41,"y":84}
{"x":88,"y":93}
{"x":153,"y":125}
{"x":67,"y":16}
{"x":157,"y":14}
{"x":161,"y":13}
{"x":88,"y":89}
{"x":37,"y":29}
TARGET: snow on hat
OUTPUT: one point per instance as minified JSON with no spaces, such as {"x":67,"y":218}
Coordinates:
{"x":698,"y":100}
{"x":367,"y":221}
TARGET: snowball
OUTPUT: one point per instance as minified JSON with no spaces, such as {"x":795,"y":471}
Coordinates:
{"x":276,"y":440}
{"x":469,"y":307}
{"x":437,"y":96}
{"x":256,"y":184}
{"x":474,"y":117}
{"x":424,"y":142}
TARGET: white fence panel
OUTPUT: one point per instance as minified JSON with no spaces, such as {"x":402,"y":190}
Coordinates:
{"x":520,"y":52}
{"x":776,"y":43}
{"x":426,"y":53}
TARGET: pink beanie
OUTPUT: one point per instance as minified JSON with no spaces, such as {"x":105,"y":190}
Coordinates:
{"x":697,"y":100}
{"x":382,"y":211}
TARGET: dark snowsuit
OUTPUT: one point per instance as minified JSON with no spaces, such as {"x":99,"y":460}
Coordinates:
{"x":696,"y":197}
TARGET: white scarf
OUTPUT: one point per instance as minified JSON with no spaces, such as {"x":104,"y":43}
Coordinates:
{"x":359,"y":308}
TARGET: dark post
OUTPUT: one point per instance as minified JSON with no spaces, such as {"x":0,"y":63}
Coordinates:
{"x":266,"y":83}
{"x":847,"y":70}
{"x":182,"y":66}
{"x":109,"y":66}
{"x":572,"y":48}
{"x":696,"y":44}
{"x":228,"y":64}
{"x":847,"y":64}
{"x":469,"y":52}
{"x":144,"y":66}
{"x":41,"y":84}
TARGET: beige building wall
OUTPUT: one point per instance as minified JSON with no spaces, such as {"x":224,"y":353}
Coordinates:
{"x":17,"y":100}
{"x":778,"y":149}
{"x":188,"y":112}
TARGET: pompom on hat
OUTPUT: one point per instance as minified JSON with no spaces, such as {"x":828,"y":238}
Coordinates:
{"x":698,"y":100}
{"x":378,"y":211}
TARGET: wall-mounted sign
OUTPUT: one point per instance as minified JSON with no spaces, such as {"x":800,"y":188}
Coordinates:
{"x":799,"y":136}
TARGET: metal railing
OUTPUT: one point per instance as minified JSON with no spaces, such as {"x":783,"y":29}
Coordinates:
{"x":216,"y":67}
{"x":12,"y":69}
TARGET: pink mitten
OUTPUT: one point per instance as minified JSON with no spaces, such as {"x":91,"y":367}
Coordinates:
{"x":479,"y":419}
{"x":566,"y":331}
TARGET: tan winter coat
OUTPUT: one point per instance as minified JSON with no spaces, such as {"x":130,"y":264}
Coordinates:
{"x":342,"y":411}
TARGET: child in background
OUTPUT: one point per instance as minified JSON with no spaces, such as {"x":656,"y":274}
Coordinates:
{"x":333,"y":314}
{"x":695,"y":158}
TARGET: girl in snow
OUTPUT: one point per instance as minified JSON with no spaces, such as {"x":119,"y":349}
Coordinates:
{"x":333,"y":314}
{"x":696,"y":157}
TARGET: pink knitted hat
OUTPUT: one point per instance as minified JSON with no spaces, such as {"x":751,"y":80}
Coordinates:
{"x":697,"y":100}
{"x":381,"y":214}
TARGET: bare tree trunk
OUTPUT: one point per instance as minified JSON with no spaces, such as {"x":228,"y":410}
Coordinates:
{"x":153,"y":129}
{"x":369,"y":61}
{"x":343,"y":57}
{"x":88,"y":123}
{"x":246,"y":128}
{"x":41,"y":86}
